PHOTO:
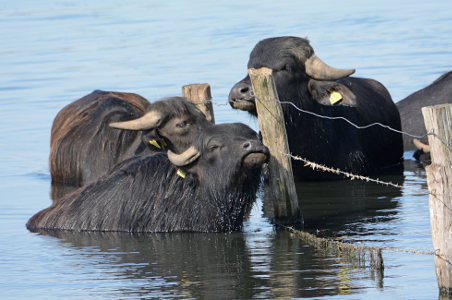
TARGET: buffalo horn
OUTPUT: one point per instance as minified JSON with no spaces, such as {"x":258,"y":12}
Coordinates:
{"x":147,"y":121}
{"x":185,"y":158}
{"x":421,"y":146}
{"x":319,"y":70}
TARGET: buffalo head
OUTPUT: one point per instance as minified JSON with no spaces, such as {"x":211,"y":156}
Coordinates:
{"x":294,"y":65}
{"x":234,"y":149}
{"x":168,"y":124}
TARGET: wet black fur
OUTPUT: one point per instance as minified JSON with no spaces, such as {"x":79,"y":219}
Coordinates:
{"x":439,"y":92}
{"x":145,"y":194}
{"x":84,"y":146}
{"x":332,"y":143}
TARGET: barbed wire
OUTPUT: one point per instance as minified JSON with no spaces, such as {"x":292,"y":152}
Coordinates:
{"x":352,"y":176}
{"x":356,"y":251}
{"x":322,"y":239}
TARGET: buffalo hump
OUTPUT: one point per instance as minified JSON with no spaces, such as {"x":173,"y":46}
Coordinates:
{"x":83,"y":146}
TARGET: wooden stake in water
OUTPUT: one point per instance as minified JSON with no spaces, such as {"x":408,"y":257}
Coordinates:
{"x":439,"y":177}
{"x":199,"y":94}
{"x":273,"y":130}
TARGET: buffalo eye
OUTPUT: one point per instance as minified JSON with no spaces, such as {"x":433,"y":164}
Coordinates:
{"x":213,"y":148}
{"x":283,"y":68}
{"x":182,"y":124}
{"x":286,"y":67}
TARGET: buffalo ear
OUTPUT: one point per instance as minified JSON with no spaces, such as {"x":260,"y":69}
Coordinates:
{"x":151,"y":139}
{"x":331,"y":93}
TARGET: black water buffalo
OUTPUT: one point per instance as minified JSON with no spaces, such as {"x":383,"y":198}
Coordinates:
{"x":83,"y":146}
{"x":439,"y":92}
{"x":208,"y":188}
{"x":303,"y":79}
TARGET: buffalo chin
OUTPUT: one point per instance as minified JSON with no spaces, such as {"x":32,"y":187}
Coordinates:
{"x":246,"y":105}
{"x":254,"y":160}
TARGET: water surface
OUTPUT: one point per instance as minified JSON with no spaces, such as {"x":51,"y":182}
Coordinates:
{"x":54,"y":52}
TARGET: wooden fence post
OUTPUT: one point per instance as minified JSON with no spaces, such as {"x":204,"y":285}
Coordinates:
{"x":273,"y":131}
{"x":199,"y":95}
{"x":439,"y":177}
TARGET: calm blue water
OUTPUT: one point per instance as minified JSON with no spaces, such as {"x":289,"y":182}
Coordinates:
{"x":54,"y":52}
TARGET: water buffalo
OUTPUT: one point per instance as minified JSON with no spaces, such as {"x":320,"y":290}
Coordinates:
{"x":306,"y":81}
{"x":83,"y":146}
{"x":208,"y":188}
{"x":439,"y":92}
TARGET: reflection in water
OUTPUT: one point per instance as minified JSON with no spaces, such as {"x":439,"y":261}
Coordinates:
{"x":207,"y":266}
{"x":313,"y":273}
{"x":59,"y":190}
{"x":329,"y":204}
{"x":210,"y":266}
{"x":336,"y":202}
{"x":258,"y":263}
{"x":415,"y":169}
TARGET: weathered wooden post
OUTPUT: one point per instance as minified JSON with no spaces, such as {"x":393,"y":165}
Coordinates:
{"x":439,"y":177}
{"x":199,"y":94}
{"x":273,"y":131}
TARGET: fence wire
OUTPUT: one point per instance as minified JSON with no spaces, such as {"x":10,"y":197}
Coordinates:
{"x":316,"y":166}
{"x":365,"y":126}
{"x":351,"y":176}
{"x":448,"y":146}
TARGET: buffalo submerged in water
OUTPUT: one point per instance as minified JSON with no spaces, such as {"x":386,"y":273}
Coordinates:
{"x":438,"y":92}
{"x":306,"y":81}
{"x":210,"y":187}
{"x":83,"y":146}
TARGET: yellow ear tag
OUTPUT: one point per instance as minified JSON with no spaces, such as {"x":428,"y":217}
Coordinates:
{"x":181,"y":173}
{"x":155,"y":144}
{"x":163,"y":142}
{"x":335,"y":97}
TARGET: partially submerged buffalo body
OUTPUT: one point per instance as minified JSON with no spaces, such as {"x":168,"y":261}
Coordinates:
{"x":221,"y":171}
{"x":85,"y":140}
{"x":439,"y":92}
{"x":306,"y":81}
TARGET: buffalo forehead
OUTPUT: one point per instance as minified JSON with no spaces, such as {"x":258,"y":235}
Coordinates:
{"x":177,"y":107}
{"x":270,"y":52}
{"x":235,"y":130}
{"x":227,"y":134}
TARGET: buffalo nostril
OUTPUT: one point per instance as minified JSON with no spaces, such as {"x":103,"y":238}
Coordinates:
{"x":240,"y":91}
{"x":244,"y":90}
{"x":246,"y":145}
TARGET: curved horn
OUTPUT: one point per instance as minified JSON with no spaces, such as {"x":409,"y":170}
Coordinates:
{"x":149,"y":120}
{"x":421,"y":146}
{"x":319,"y":70}
{"x":185,"y":158}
